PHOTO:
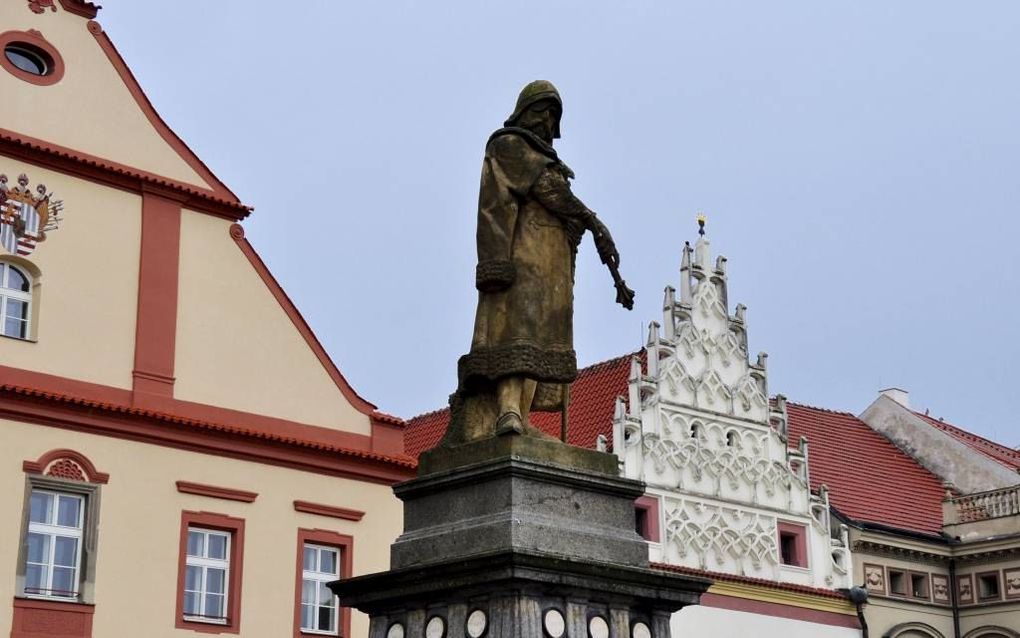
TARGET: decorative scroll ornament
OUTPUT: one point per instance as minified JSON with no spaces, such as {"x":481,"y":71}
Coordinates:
{"x":26,"y":217}
{"x":40,"y":6}
{"x":717,"y":536}
{"x":727,"y":467}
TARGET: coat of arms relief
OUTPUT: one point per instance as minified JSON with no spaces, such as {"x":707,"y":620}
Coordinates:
{"x":26,"y":215}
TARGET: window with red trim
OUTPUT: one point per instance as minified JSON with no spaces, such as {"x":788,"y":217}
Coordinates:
{"x":646,"y":518}
{"x":322,"y":556}
{"x":793,"y":545}
{"x":209,"y":573}
{"x":60,"y":525}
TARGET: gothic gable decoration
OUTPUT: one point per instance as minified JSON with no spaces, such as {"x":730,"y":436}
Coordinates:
{"x":26,"y":215}
{"x":698,"y":428}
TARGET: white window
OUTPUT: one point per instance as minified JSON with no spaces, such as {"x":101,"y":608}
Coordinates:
{"x":321,"y":565}
{"x":15,"y":301}
{"x":53,"y":560}
{"x":206,"y":575}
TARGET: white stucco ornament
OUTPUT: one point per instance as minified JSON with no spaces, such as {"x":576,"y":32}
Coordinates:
{"x":476,"y":623}
{"x":554,"y":623}
{"x":436,"y":628}
{"x":641,"y":630}
{"x":598,"y":627}
{"x":718,"y":458}
{"x":396,"y":631}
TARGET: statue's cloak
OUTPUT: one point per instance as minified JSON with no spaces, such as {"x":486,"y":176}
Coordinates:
{"x":525,"y":273}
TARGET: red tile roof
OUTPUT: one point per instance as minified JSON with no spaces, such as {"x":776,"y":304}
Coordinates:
{"x":999,"y":453}
{"x":869,"y":478}
{"x":859,"y":465}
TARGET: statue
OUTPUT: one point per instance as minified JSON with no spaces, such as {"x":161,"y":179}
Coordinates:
{"x":530,"y":225}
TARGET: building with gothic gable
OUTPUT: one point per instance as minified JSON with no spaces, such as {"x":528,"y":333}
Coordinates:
{"x":178,"y":453}
{"x":786,"y":506}
{"x":726,"y":488}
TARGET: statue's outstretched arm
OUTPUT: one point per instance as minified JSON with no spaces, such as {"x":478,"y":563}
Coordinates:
{"x":553,"y":191}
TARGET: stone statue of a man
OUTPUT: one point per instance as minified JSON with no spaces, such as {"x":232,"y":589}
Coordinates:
{"x":529,"y":227}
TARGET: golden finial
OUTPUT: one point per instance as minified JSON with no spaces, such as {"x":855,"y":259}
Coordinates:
{"x":701,"y":224}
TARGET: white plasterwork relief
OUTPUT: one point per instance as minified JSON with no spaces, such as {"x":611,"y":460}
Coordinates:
{"x":719,"y":537}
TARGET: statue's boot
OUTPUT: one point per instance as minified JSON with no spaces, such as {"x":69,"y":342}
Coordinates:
{"x":509,"y":423}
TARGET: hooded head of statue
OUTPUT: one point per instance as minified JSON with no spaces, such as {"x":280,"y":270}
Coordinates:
{"x":538,"y":109}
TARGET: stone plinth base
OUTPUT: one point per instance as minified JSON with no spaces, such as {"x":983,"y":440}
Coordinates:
{"x":516,"y":493}
{"x":519,"y":537}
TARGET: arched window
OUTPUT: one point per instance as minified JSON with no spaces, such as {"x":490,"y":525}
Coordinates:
{"x":731,"y":439}
{"x":15,"y":301}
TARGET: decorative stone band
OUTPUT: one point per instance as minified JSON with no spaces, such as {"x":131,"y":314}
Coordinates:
{"x":328,"y":510}
{"x":212,"y":491}
{"x":493,"y":275}
{"x":543,"y":364}
{"x":508,"y":594}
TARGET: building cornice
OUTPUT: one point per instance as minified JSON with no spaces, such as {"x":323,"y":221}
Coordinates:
{"x":122,"y":421}
{"x":108,"y":173}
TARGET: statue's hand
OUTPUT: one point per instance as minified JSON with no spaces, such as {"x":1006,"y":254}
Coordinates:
{"x":624,"y":295}
{"x":604,"y":243}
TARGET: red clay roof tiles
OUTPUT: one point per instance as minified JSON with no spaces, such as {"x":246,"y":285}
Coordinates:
{"x":869,"y":478}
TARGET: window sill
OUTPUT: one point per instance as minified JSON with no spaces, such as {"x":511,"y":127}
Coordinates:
{"x":207,"y":626}
{"x":207,"y":621}
{"x":50,"y":601}
{"x":19,"y":339}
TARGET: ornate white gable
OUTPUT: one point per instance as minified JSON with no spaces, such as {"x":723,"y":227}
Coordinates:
{"x":698,"y":428}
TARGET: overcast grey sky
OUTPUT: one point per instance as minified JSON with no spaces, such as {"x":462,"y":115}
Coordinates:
{"x":857,"y":162}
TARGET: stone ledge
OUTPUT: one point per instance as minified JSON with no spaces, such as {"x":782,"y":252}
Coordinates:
{"x":542,"y":452}
{"x":524,"y":571}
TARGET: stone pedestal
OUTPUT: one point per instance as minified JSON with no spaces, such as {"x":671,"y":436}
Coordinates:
{"x":519,"y":537}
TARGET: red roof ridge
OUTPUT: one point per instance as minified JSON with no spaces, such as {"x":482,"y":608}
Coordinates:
{"x":976,"y":438}
{"x":750,"y":580}
{"x":588,"y":369}
{"x":400,"y":460}
{"x":388,"y":418}
{"x":820,"y":409}
{"x":430,"y":413}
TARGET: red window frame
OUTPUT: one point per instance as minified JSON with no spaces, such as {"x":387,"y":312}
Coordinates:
{"x":650,"y":506}
{"x":799,"y":532}
{"x":342,"y":542}
{"x":224,"y":523}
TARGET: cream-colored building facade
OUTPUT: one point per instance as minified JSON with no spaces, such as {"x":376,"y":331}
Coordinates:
{"x":178,"y":454}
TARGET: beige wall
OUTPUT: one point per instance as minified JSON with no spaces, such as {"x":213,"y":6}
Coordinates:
{"x":90,"y":109}
{"x":1001,"y":614}
{"x":87,"y":307}
{"x":884,"y":612}
{"x":236,"y":347}
{"x":136,"y":579}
